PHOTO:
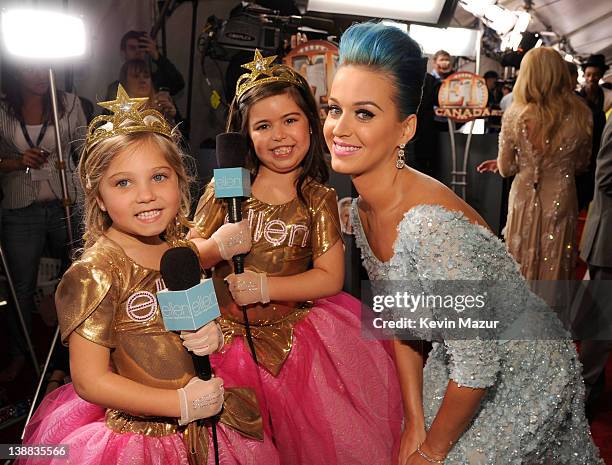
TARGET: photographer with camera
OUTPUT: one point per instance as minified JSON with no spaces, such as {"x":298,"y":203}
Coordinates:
{"x":138,"y":45}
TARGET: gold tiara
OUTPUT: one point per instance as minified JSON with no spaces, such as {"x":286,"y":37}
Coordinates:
{"x":126,"y":118}
{"x":262,"y":71}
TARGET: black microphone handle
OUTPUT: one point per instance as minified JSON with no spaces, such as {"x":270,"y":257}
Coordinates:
{"x":202,"y":366}
{"x":234,"y":212}
{"x":234,"y":209}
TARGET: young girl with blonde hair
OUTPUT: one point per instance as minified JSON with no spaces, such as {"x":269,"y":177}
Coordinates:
{"x":135,"y":398}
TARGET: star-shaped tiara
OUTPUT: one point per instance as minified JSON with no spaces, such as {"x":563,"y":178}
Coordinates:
{"x":127,"y":117}
{"x":261,"y":71}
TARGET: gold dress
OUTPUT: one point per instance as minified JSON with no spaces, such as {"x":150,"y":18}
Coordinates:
{"x":327,"y":395}
{"x":542,"y":207}
{"x":110,"y":300}
{"x":286,"y":239}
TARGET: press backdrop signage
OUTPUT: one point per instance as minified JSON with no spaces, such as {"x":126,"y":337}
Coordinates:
{"x":463,"y":97}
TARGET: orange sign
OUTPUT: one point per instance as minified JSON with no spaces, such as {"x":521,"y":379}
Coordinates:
{"x":463,"y":97}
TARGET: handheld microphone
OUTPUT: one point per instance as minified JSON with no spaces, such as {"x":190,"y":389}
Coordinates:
{"x":232,"y":183}
{"x":188,"y":304}
{"x":232,"y":180}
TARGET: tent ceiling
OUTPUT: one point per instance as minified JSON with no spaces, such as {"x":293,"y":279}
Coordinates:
{"x":587,"y":24}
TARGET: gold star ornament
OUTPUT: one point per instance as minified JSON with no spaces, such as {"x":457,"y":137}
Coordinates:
{"x":260,"y":65}
{"x":124,"y":107}
{"x":262,"y":71}
{"x":127,"y":117}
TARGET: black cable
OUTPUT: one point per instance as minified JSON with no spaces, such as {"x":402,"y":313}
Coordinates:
{"x":194,"y":22}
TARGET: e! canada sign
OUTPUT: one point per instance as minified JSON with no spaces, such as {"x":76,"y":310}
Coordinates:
{"x":463,"y":96}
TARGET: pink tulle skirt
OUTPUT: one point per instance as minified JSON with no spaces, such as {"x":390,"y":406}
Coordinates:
{"x":336,"y":400}
{"x":64,"y":418}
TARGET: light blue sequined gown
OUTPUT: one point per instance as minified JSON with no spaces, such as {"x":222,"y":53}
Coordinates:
{"x":533,"y":411}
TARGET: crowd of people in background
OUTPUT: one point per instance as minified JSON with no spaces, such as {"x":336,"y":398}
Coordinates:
{"x":553,"y":141}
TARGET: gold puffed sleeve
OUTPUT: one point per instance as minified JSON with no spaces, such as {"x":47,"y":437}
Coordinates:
{"x":85,"y":304}
{"x":326,"y":221}
{"x":210,"y":213}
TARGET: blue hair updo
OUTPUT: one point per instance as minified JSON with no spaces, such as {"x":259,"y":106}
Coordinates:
{"x":387,"y":49}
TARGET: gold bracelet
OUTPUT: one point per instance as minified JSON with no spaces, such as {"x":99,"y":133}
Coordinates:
{"x":427,"y":457}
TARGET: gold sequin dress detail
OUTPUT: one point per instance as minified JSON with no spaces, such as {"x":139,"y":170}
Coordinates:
{"x":542,"y":207}
{"x":328,"y":396}
{"x":108,"y":299}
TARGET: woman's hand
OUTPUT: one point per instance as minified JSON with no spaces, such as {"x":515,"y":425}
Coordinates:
{"x":204,"y":341}
{"x":34,"y":158}
{"x":411,"y":438}
{"x":249,"y":287}
{"x":488,"y":165}
{"x":417,"y":459}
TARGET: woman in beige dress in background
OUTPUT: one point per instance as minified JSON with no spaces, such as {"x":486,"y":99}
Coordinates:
{"x":545,"y":139}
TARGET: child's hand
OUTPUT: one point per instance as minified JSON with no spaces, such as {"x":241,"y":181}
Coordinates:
{"x":204,"y":341}
{"x":249,"y":287}
{"x":233,"y":239}
{"x":200,"y":399}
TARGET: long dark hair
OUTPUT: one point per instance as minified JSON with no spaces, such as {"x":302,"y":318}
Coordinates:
{"x":11,"y":88}
{"x":314,"y":165}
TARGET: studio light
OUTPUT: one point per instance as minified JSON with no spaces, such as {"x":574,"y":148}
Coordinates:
{"x":420,"y":11}
{"x":500,"y":19}
{"x":43,"y":35}
{"x":456,"y":41}
{"x":476,"y":7}
{"x":401,"y":26}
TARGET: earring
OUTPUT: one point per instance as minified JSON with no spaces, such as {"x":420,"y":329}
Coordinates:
{"x":310,"y":130}
{"x":400,"y":162}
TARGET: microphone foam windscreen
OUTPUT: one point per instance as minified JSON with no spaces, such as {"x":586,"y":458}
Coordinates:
{"x":180,"y":268}
{"x":232,"y":150}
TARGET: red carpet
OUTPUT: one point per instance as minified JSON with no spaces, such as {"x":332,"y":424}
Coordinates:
{"x":602,"y":423}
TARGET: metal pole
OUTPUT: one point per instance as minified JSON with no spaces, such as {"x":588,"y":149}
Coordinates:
{"x":466,"y":152}
{"x":40,"y":381}
{"x":26,"y":334}
{"x":451,"y":134}
{"x":194,"y":23}
{"x":61,"y":164}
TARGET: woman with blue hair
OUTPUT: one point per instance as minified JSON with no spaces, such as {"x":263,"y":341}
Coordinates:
{"x":492,"y":399}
